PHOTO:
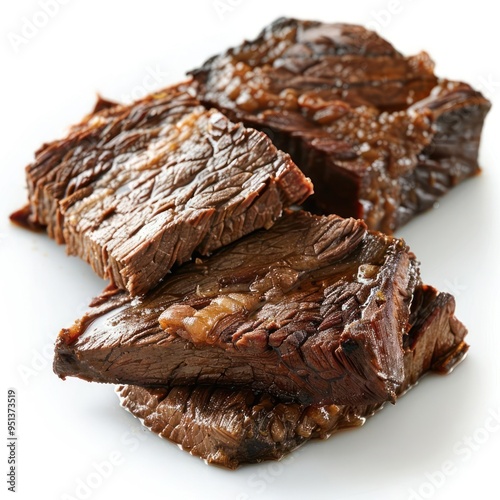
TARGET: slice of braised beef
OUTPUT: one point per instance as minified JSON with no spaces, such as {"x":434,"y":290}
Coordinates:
{"x":229,"y":427}
{"x":315,"y":309}
{"x":134,"y":190}
{"x":381,"y":137}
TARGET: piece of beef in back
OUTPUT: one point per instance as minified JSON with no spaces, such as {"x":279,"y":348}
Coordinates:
{"x":135,"y":189}
{"x":380,"y":136}
{"x":229,"y":427}
{"x":314,"y":309}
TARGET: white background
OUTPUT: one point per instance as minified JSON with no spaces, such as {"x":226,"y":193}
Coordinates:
{"x":65,"y":428}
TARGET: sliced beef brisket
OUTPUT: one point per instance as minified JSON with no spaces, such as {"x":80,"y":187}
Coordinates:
{"x":380,"y":136}
{"x":315,"y":309}
{"x":135,"y":189}
{"x":229,"y":427}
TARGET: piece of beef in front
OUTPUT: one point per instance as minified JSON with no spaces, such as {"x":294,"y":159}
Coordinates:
{"x":380,"y":136}
{"x":315,"y":309}
{"x":135,"y":189}
{"x":229,"y":427}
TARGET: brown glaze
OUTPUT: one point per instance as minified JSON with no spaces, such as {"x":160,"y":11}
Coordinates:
{"x":314,"y":309}
{"x":229,"y":427}
{"x":381,"y":137}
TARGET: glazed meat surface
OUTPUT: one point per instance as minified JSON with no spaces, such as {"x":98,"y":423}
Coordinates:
{"x":381,"y":137}
{"x":229,"y":427}
{"x":315,"y":309}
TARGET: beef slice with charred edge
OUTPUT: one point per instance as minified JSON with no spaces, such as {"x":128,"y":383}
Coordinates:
{"x":135,"y":189}
{"x":314,"y":309}
{"x":381,"y":137}
{"x":229,"y":427}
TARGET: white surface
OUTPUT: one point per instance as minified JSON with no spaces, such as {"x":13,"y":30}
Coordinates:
{"x":64,"y":427}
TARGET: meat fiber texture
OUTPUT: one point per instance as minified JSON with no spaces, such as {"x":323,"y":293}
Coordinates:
{"x":134,"y":190}
{"x":229,"y":427}
{"x":381,"y":137}
{"x":315,"y":309}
